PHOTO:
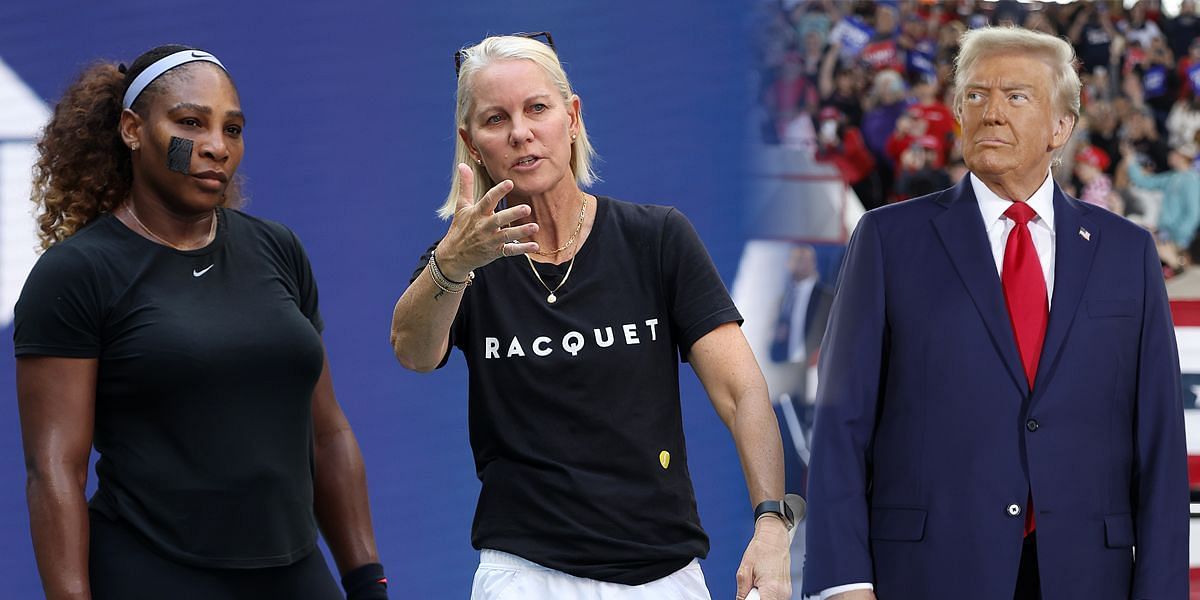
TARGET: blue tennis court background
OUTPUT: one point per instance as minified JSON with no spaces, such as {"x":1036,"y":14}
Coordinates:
{"x":349,"y":133}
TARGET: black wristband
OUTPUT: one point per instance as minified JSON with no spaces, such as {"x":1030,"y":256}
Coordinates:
{"x":778,"y":508}
{"x":366,"y":583}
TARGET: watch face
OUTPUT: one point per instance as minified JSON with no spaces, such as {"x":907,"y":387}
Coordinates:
{"x":797,"y":506}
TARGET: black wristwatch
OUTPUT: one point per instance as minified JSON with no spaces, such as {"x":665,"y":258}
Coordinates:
{"x":777,"y":507}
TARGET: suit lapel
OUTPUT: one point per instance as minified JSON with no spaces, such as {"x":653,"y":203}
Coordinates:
{"x":962,"y":233}
{"x":1075,"y":241}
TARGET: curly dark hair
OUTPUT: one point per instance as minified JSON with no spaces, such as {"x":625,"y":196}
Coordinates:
{"x":84,"y":168}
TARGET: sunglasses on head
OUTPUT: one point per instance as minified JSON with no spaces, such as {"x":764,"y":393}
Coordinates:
{"x":542,"y":36}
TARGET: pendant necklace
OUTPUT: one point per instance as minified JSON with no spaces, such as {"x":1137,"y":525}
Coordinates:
{"x":552,"y":298}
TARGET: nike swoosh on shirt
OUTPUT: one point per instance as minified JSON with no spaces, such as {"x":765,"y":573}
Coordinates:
{"x":201,"y":273}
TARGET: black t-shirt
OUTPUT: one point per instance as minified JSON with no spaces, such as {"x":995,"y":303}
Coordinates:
{"x":207,"y":363}
{"x":1152,"y":153}
{"x":1181,"y":31}
{"x":1093,"y":48}
{"x":1110,"y":144}
{"x":574,"y":406}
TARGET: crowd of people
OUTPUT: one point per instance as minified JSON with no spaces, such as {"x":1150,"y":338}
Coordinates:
{"x":866,"y":86}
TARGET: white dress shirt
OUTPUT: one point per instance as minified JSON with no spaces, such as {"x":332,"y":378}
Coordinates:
{"x":998,"y":226}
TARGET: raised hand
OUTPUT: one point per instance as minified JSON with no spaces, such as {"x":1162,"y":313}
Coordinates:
{"x":478,"y":234}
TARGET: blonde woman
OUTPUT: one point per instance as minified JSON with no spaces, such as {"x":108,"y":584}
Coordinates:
{"x":572,"y":311}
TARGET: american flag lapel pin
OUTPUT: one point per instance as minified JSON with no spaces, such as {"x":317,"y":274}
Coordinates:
{"x":1085,"y":234}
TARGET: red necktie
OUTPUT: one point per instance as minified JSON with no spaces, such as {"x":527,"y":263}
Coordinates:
{"x":1025,"y":295}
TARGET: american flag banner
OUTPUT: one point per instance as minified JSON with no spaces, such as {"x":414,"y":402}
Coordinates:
{"x":1186,"y":314}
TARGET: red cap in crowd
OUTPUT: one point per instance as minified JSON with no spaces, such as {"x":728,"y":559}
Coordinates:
{"x":927,"y":141}
{"x":830,"y":113}
{"x":1091,"y":155}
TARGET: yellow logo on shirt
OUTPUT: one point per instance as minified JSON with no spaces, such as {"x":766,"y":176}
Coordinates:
{"x":664,"y":458}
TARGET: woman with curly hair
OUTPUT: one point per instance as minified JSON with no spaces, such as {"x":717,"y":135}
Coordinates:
{"x":181,"y":338}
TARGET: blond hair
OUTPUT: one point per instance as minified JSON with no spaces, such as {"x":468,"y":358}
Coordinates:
{"x":1055,"y":51}
{"x":476,"y":58}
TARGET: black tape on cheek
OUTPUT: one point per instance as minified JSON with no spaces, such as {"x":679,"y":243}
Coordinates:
{"x":179,"y":155}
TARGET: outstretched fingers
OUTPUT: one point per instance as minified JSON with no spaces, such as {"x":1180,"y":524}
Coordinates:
{"x":466,"y":187}
{"x":491,"y":199}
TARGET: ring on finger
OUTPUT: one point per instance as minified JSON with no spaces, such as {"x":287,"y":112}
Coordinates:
{"x":504,"y":250}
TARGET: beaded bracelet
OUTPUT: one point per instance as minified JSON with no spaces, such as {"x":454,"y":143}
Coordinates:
{"x":444,"y":283}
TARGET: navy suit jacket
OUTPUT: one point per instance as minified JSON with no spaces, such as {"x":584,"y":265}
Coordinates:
{"x":927,"y":434}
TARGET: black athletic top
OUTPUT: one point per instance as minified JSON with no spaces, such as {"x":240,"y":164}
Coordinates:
{"x":207,"y":363}
{"x":574,"y":406}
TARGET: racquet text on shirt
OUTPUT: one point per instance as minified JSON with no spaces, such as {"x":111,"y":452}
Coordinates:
{"x":572,"y":342}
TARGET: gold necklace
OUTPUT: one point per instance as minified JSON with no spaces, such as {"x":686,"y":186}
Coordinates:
{"x":212,"y":230}
{"x":570,"y":240}
{"x":551,"y":299}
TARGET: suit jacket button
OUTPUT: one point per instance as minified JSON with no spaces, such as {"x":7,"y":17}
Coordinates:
{"x":1031,"y":425}
{"x":1014,"y":510}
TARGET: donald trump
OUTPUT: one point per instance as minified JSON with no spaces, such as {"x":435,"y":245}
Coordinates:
{"x":1000,"y":413}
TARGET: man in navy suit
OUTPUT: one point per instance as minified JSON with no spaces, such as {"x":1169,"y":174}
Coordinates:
{"x":803,"y":313}
{"x":1000,"y":413}
{"x":799,"y":326}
